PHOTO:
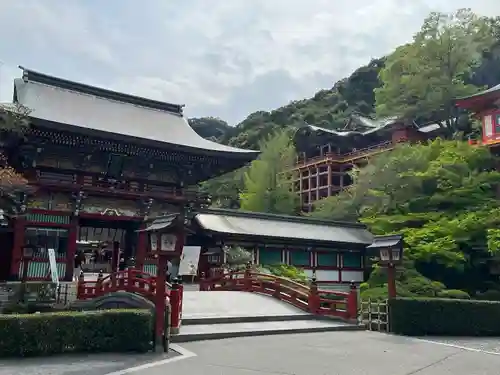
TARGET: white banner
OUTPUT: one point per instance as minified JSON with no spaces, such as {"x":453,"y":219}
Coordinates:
{"x":154,"y":241}
{"x":167,"y":242}
{"x":53,"y":266}
{"x":189,"y":260}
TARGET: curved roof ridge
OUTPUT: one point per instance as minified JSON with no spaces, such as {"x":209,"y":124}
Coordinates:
{"x":35,"y":76}
{"x":65,"y":104}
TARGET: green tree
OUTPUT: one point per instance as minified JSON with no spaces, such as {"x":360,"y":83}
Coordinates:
{"x":268,"y":182}
{"x":14,"y":121}
{"x":224,"y":190}
{"x":421,"y":79}
{"x":442,"y":196}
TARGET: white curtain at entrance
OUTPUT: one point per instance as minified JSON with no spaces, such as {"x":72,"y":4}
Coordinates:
{"x":89,"y":234}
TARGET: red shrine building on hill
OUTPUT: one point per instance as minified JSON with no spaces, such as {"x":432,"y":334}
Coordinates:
{"x":100,"y":163}
{"x":486,"y":107}
{"x":326,"y":156}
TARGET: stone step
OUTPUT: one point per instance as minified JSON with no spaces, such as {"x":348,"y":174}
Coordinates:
{"x":200,"y":332}
{"x":249,"y":319}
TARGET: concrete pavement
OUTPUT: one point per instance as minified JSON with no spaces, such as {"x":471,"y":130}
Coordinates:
{"x":224,"y":304}
{"x":342,"y":353}
{"x":332,"y":353}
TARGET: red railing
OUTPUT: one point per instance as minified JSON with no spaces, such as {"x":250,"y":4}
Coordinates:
{"x":307,"y":298}
{"x":134,"y":281}
{"x":355,"y":154}
{"x":130,"y":280}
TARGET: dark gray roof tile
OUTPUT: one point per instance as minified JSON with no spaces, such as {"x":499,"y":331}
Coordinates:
{"x":292,"y":228}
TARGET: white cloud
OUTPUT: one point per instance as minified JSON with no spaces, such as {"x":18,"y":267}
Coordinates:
{"x":219,"y":57}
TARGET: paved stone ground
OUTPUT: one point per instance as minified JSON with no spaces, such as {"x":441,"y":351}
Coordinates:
{"x":342,"y":353}
{"x":94,"y":364}
{"x":491,"y":345}
{"x":217,"y":304}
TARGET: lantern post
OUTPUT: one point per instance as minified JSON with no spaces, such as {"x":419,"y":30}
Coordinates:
{"x":166,"y":238}
{"x":390,"y":253}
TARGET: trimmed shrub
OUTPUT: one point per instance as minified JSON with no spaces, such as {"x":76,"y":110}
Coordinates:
{"x":71,"y":332}
{"x":489,"y":295}
{"x":288,"y":271}
{"x":447,"y":317}
{"x":453,"y":293}
{"x":33,"y":307}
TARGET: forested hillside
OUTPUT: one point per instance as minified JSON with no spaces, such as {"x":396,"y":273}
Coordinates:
{"x":451,"y":56}
{"x":329,"y":108}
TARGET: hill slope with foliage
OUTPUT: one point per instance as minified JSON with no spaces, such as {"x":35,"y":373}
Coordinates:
{"x":415,"y":82}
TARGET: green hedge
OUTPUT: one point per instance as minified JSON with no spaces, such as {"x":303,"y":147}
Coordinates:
{"x":447,"y":317}
{"x":64,"y":332}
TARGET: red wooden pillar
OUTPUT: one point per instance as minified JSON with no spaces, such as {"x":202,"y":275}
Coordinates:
{"x":115,"y":256}
{"x":17,"y":247}
{"x":142,"y":246}
{"x":352,"y":302}
{"x":175,"y":309}
{"x":314,"y":299}
{"x":71,"y":250}
{"x":175,"y":294}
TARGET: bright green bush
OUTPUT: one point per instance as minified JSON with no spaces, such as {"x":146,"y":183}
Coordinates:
{"x":288,"y":271}
{"x":445,"y":317}
{"x":379,"y":293}
{"x":24,"y":335}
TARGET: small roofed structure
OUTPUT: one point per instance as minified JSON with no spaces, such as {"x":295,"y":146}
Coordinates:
{"x":334,"y":250}
{"x":391,"y":241}
{"x":486,"y":106}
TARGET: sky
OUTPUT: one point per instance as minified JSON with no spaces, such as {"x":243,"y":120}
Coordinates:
{"x":221,"y":58}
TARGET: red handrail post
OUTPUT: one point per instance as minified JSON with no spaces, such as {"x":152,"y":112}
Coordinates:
{"x":80,"y":289}
{"x":130,"y":280}
{"x":98,"y":284}
{"x":175,"y":308}
{"x":248,"y":278}
{"x":314,"y":299}
{"x":277,"y":289}
{"x":352,"y":302}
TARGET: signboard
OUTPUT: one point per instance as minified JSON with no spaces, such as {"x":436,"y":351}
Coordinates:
{"x":189,"y":260}
{"x":53,"y":266}
{"x":167,"y":242}
{"x":154,"y":241}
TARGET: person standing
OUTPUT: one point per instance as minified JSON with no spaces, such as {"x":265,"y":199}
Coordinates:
{"x":79,"y":259}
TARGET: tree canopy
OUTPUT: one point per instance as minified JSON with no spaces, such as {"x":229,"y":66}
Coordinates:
{"x":421,"y":79}
{"x":13,"y":123}
{"x":442,"y":196}
{"x":268,"y":181}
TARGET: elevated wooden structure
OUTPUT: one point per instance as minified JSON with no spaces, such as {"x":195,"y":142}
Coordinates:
{"x":326,"y":156}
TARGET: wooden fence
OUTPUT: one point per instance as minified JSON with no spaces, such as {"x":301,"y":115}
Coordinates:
{"x":375,"y":315}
